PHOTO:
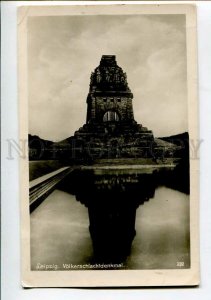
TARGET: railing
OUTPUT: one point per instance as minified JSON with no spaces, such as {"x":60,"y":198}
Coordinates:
{"x":41,"y":187}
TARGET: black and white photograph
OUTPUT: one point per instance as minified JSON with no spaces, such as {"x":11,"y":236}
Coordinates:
{"x":109,"y":112}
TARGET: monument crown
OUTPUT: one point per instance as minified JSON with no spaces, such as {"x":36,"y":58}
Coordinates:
{"x":109,"y":98}
{"x":108,"y":76}
{"x":108,"y":60}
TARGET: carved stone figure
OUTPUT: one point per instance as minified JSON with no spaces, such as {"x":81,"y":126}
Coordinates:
{"x":107,"y":76}
{"x":117,"y":76}
{"x":98,"y":75}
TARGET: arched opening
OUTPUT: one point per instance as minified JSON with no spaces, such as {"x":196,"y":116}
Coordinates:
{"x":110,"y":116}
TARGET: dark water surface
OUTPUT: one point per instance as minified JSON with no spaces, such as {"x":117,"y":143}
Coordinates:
{"x":60,"y":232}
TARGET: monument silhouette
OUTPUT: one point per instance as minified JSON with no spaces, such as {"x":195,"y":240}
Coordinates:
{"x":110,"y":130}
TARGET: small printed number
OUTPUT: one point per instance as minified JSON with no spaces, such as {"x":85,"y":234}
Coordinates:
{"x":180,"y":264}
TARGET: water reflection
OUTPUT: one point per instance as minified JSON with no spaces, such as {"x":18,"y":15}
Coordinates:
{"x":112,"y":198}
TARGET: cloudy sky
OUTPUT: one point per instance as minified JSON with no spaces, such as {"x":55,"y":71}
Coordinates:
{"x":64,"y":50}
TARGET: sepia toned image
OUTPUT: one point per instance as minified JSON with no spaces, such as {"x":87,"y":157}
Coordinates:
{"x":110,"y":116}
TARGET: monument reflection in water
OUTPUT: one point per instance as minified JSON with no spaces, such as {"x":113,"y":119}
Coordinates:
{"x":112,"y":198}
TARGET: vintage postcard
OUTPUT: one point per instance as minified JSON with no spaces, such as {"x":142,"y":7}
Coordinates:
{"x":108,"y":110}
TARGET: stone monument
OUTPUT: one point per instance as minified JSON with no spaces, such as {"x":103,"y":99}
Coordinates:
{"x":110,"y":130}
